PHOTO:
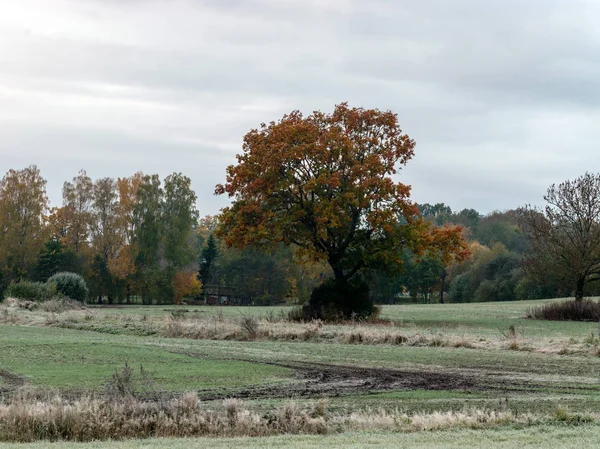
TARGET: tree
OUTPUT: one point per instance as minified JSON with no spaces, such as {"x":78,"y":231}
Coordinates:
{"x":436,"y":213}
{"x":162,"y":227}
{"x":122,"y":265}
{"x":105,"y":236}
{"x":185,"y":283}
{"x":325,"y":183}
{"x":208,"y":256}
{"x":77,"y":201}
{"x":501,"y":227}
{"x":180,"y":218}
{"x":422,"y":276}
{"x":564,"y":237}
{"x":147,"y":225}
{"x":23,"y":209}
{"x":51,"y":259}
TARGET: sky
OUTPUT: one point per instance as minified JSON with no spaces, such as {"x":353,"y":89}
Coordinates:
{"x":501,"y":97}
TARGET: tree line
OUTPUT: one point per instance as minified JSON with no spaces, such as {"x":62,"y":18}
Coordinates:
{"x":136,"y":238}
{"x":142,"y":239}
{"x":316,"y":216}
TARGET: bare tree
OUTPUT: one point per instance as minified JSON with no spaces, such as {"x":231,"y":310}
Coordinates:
{"x":564,"y":236}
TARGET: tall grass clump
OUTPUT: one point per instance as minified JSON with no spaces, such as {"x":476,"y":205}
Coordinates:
{"x":60,"y":305}
{"x":127,"y":385}
{"x":31,"y":291}
{"x":72,"y":285}
{"x":584,"y":310}
{"x":250,"y":325}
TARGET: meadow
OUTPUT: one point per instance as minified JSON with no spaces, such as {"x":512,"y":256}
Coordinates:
{"x":419,"y":376}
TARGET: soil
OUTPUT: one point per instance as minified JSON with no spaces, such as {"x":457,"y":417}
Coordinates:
{"x":315,"y":380}
{"x":9,"y":381}
{"x":319,"y":380}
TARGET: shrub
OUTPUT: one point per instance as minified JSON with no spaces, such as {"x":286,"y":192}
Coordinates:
{"x":249,"y":325}
{"x":335,"y":300}
{"x":127,"y":385}
{"x":33,"y":291}
{"x":585,"y":310}
{"x":299,"y":314}
{"x":72,"y":285}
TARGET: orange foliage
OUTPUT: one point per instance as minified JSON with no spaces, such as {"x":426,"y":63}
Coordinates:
{"x":123,"y":265}
{"x":325,"y":183}
{"x":185,"y":284}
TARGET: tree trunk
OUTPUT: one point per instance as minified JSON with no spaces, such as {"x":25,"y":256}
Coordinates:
{"x":338,"y":273}
{"x":579,"y":289}
{"x":443,"y":278}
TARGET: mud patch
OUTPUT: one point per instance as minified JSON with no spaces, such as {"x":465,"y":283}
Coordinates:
{"x":314,"y":380}
{"x":325,"y":380}
{"x":9,"y":382}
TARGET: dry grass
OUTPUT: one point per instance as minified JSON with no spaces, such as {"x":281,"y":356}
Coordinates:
{"x":60,"y":305}
{"x":26,"y":418}
{"x":276,"y":327}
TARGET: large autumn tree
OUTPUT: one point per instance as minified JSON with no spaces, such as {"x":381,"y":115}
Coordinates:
{"x":564,"y":236}
{"x":326,"y":183}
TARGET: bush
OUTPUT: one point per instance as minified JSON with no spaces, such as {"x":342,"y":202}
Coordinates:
{"x":336,"y":300}
{"x":299,"y":314}
{"x":71,"y":285}
{"x":33,"y":291}
{"x":585,"y":310}
{"x":250,"y":325}
{"x":127,"y":385}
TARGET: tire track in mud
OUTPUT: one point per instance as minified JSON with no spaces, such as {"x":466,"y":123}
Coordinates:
{"x":320,"y":380}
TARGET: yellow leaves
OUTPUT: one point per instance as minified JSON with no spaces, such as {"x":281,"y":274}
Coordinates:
{"x":123,"y":265}
{"x":185,"y":283}
{"x":23,"y":208}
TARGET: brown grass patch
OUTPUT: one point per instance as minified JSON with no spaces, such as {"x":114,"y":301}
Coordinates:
{"x":27,"y":419}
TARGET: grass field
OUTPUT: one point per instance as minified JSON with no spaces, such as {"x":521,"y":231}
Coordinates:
{"x":74,"y":360}
{"x":450,"y":358}
{"x":537,"y":437}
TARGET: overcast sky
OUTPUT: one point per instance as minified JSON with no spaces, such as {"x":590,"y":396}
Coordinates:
{"x":502,"y":97}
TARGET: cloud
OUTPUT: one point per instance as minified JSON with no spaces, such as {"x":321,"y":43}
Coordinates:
{"x":502,"y":98}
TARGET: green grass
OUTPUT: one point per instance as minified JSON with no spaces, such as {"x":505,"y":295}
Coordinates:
{"x":537,"y":437}
{"x":76,"y":360}
{"x":81,"y":360}
{"x":401,"y":357}
{"x":484,"y":319}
